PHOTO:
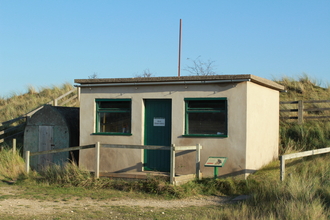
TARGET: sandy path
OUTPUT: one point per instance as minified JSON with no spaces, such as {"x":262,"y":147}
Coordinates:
{"x":38,"y":207}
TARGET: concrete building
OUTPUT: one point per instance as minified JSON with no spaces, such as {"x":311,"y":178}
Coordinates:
{"x":233,"y":116}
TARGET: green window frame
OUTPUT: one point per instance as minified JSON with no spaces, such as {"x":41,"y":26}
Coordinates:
{"x":206,"y":117}
{"x":113,"y":116}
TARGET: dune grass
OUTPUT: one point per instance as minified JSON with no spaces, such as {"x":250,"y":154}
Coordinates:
{"x":302,"y":137}
{"x":20,"y":104}
{"x":303,"y":195}
{"x":303,"y":87}
{"x":12,"y":165}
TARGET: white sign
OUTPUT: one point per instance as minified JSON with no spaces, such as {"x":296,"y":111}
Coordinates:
{"x":159,"y":121}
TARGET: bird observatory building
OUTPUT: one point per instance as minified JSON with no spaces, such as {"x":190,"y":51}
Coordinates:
{"x":232,"y":116}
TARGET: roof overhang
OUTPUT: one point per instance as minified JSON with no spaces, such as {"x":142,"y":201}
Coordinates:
{"x":178,"y":80}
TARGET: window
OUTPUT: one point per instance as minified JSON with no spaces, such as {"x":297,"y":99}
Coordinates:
{"x":206,"y":117}
{"x":113,"y":116}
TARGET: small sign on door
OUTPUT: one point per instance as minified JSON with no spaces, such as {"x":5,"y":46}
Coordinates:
{"x":159,"y":121}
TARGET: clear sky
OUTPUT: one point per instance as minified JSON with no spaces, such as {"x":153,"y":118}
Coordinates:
{"x":45,"y":43}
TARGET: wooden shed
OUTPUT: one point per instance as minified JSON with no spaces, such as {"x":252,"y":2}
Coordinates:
{"x":52,"y":128}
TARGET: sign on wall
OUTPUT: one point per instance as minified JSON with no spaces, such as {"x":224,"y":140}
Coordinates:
{"x":159,"y":121}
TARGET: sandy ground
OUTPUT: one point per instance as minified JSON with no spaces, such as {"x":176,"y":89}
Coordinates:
{"x":38,"y":207}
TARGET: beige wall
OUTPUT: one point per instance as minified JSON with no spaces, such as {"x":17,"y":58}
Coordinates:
{"x":262,"y":126}
{"x":234,"y":146}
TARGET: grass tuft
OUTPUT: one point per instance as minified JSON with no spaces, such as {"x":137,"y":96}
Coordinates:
{"x":12,"y":166}
{"x":68,"y":175}
{"x":307,"y":136}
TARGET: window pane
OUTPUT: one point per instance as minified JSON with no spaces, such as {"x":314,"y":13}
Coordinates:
{"x":115,"y":122}
{"x":115,"y":105}
{"x":207,"y":123}
{"x":206,"y":104}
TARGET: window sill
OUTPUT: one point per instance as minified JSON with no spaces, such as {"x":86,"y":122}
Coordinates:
{"x":112,"y":133}
{"x":205,"y":135}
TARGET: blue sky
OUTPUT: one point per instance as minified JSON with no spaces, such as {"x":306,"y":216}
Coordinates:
{"x":46,"y":43}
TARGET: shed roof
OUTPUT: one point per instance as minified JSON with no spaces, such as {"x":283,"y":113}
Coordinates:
{"x":182,"y":79}
{"x":51,"y":115}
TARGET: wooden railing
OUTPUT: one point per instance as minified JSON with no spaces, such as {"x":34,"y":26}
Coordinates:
{"x":13,"y":146}
{"x":299,"y":155}
{"x":8,"y":132}
{"x":97,"y":147}
{"x":11,"y":132}
{"x":312,"y":109}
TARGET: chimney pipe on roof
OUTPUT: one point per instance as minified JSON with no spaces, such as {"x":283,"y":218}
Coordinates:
{"x":179,"y":63}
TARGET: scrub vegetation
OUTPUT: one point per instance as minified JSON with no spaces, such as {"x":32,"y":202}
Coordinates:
{"x":305,"y":193}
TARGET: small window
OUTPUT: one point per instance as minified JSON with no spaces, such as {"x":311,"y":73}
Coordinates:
{"x":206,"y":117}
{"x":113,"y":116}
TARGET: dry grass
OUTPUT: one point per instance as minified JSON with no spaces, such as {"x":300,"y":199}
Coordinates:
{"x":20,"y":104}
{"x":305,"y":193}
{"x":12,"y":165}
{"x":303,"y":88}
{"x":307,"y":136}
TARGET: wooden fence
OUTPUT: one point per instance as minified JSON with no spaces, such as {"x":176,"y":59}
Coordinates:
{"x":313,"y":109}
{"x":7,"y":132}
{"x":97,"y":147}
{"x":13,"y":146}
{"x":299,"y":155}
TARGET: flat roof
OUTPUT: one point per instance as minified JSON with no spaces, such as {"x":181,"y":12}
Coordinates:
{"x":182,"y":79}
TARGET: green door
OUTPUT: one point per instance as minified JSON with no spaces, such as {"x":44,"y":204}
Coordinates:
{"x":157,"y":128}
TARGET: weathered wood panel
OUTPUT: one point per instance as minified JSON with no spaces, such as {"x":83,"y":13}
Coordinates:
{"x":45,"y":144}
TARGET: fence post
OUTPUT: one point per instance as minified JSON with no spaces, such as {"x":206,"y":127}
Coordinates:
{"x":14,"y":145}
{"x":198,"y":161}
{"x":282,"y":167}
{"x":27,"y":161}
{"x":172,"y":168}
{"x":55,"y":102}
{"x":300,"y":112}
{"x":97,"y":160}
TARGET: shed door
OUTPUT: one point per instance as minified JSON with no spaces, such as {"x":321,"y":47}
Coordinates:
{"x":157,"y":132}
{"x":45,"y":143}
